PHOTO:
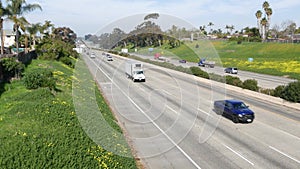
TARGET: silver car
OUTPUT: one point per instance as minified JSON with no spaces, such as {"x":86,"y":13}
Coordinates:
{"x":231,"y":70}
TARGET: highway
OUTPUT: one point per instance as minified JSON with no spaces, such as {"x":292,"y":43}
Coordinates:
{"x":263,"y":80}
{"x":170,"y":122}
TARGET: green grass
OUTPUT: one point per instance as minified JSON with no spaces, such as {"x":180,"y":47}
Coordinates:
{"x":40,"y":129}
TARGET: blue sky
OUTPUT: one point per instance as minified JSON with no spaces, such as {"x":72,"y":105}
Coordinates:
{"x":88,"y":16}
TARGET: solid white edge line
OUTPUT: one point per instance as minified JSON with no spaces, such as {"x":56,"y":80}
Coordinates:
{"x":284,"y":154}
{"x":238,"y":154}
{"x":177,"y":146}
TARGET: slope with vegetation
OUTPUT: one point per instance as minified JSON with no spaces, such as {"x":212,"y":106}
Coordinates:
{"x":39,"y":126}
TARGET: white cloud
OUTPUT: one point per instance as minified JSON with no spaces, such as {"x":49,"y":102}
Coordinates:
{"x":88,"y":16}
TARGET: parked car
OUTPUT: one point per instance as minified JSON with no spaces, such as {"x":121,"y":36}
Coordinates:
{"x":236,"y":110}
{"x":182,"y":61}
{"x":231,"y":70}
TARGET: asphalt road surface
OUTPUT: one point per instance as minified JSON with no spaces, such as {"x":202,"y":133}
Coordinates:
{"x":170,"y":122}
{"x":264,"y":81}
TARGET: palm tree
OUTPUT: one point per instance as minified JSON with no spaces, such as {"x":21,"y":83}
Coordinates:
{"x":266,"y":5}
{"x":16,"y":9}
{"x":227,"y":27}
{"x":210,"y":24}
{"x":231,"y":28}
{"x":33,"y":29}
{"x":258,"y":15}
{"x":269,"y":12}
{"x":3,"y":12}
{"x":264,"y":23}
{"x":1,"y":27}
{"x":44,"y":29}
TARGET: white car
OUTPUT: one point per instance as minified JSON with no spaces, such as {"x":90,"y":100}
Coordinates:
{"x":93,"y":55}
{"x":231,"y":70}
{"x":109,"y":58}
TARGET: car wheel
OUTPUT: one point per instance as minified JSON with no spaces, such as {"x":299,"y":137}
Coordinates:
{"x":219,"y":112}
{"x":235,"y":119}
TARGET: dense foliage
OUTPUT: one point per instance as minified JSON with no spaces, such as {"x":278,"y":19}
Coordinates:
{"x":11,"y":67}
{"x":250,"y":84}
{"x":291,"y":92}
{"x":40,"y":77}
{"x":57,"y":49}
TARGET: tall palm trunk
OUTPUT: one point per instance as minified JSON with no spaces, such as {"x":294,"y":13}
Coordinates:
{"x":2,"y":36}
{"x":16,"y":28}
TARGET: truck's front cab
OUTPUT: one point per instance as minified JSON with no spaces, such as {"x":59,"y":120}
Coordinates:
{"x":139,"y":76}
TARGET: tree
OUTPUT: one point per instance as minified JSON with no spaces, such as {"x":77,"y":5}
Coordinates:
{"x":264,"y":23}
{"x":3,"y":12}
{"x":66,"y":34}
{"x":33,"y":29}
{"x":151,"y":16}
{"x":46,"y":28}
{"x":16,"y":10}
{"x":202,"y":30}
{"x":210,"y":24}
{"x":258,"y":15}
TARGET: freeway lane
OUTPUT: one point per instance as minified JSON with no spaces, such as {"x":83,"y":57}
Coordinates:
{"x":264,"y":81}
{"x":171,"y":125}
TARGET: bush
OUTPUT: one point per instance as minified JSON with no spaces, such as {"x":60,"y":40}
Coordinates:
{"x":11,"y":67}
{"x":236,"y":81}
{"x":250,"y":84}
{"x":278,"y":91}
{"x":267,"y":91}
{"x":292,"y":92}
{"x":198,"y":72}
{"x":39,"y":78}
{"x":216,"y":77}
{"x":67,"y":61}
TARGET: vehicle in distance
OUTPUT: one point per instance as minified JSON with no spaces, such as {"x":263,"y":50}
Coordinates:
{"x":204,"y":62}
{"x":92,"y":55}
{"x":236,"y":110}
{"x":109,"y":58}
{"x":231,"y":70}
{"x":182,"y":61}
{"x":134,"y":70}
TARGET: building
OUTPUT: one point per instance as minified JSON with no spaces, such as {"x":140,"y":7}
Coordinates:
{"x":9,"y":38}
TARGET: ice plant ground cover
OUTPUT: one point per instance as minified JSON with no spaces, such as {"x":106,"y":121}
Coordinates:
{"x":40,"y":129}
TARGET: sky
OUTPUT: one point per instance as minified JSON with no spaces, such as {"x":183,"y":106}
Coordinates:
{"x":90,"y":16}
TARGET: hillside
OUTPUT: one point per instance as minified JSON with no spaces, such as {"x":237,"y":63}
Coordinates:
{"x":280,"y":59}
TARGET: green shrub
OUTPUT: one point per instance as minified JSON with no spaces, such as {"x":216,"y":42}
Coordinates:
{"x":12,"y":68}
{"x":124,"y":54}
{"x":198,"y":72}
{"x":39,"y":77}
{"x":216,"y":77}
{"x":267,"y":91}
{"x":250,"y":84}
{"x":292,"y":92}
{"x":67,"y":61}
{"x":232,"y":80}
{"x":278,"y":91}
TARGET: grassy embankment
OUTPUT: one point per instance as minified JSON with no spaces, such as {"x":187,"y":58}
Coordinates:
{"x":280,"y":59}
{"x":39,"y":128}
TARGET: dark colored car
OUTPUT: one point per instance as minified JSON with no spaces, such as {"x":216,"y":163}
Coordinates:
{"x":182,"y":61}
{"x":231,"y":70}
{"x":236,"y":110}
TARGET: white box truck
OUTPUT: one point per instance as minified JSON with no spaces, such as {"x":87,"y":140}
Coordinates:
{"x":134,"y":70}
